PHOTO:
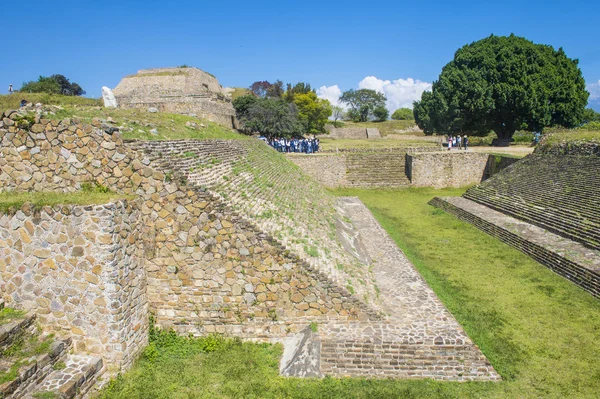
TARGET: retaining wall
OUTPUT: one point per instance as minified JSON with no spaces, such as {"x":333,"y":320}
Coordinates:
{"x":79,"y":268}
{"x":208,"y":269}
{"x":401,"y":167}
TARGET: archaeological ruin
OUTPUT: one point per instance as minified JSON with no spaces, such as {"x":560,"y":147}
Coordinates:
{"x":232,"y":237}
{"x":177,"y":90}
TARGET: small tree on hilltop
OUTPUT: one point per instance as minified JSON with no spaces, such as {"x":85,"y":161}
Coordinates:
{"x":403,"y":114}
{"x":504,"y":84}
{"x":337,"y":113}
{"x":55,"y":84}
{"x":362,"y":103}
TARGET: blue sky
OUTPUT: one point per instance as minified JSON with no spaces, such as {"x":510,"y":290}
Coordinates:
{"x":401,"y":46}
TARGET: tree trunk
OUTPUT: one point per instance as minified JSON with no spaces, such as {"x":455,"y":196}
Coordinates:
{"x":504,"y":137}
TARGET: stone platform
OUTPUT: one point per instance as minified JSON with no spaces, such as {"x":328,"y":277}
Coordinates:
{"x":419,"y":338}
{"x":570,"y":259}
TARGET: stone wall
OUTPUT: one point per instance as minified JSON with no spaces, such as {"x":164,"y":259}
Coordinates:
{"x":329,"y":170}
{"x":208,"y":269}
{"x":446,"y":169}
{"x":177,"y":90}
{"x":80,"y":270}
{"x":353,"y":133}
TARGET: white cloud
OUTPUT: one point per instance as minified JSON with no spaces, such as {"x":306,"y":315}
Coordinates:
{"x":331,"y":93}
{"x":594,"y":89}
{"x":400,"y":93}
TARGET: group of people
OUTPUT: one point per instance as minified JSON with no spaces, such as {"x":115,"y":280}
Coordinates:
{"x":458,"y":142}
{"x":307,"y":146}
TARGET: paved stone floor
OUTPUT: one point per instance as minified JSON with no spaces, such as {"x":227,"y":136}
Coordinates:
{"x":419,"y":338}
{"x":407,"y":299}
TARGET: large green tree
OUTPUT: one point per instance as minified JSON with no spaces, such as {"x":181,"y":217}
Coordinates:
{"x":271,"y":117}
{"x":362,"y":103}
{"x":504,"y":84}
{"x":55,"y":84}
{"x":313,"y":112}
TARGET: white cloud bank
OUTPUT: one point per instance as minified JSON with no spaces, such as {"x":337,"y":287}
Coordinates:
{"x":594,"y":89}
{"x":399,"y":93}
{"x":331,"y":93}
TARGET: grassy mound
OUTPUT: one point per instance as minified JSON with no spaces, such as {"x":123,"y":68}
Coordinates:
{"x":13,"y":101}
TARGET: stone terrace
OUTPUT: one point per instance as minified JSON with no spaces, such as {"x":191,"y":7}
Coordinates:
{"x":23,"y":349}
{"x":275,"y":195}
{"x":557,"y":193}
{"x":568,"y":258}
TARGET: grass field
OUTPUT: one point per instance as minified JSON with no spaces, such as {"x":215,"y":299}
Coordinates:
{"x":558,"y":136}
{"x":366,"y":144}
{"x":539,"y":331}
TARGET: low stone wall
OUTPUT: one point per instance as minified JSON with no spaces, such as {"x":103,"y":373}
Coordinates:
{"x":401,"y":167}
{"x":79,"y":269}
{"x":452,"y":169}
{"x":350,"y":133}
{"x":329,"y":170}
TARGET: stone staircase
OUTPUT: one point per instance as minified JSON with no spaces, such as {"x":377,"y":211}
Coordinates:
{"x":273,"y":194}
{"x":558,"y":193}
{"x":376,"y":170}
{"x":33,"y":363}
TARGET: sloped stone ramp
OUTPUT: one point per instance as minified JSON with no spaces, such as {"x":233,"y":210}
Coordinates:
{"x":418,"y":339}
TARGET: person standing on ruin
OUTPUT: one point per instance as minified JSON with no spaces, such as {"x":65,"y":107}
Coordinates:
{"x":10,"y":89}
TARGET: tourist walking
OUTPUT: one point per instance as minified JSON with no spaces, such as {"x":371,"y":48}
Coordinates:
{"x":458,"y":141}
{"x":449,"y":143}
{"x":465,"y":142}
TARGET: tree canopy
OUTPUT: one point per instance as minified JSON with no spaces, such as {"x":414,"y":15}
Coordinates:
{"x":504,"y":84}
{"x":362,"y":104}
{"x":307,"y":113}
{"x":313,"y":112}
{"x":403,"y":114}
{"x":55,"y":84}
{"x":271,"y":117}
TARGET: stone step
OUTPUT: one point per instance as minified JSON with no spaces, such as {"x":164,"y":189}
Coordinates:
{"x":15,"y":329}
{"x":73,"y":381}
{"x":34,"y":371}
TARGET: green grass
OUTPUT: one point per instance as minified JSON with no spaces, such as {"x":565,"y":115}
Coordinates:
{"x":366,"y":144}
{"x":20,"y":353}
{"x":13,"y":101}
{"x":8,"y":314}
{"x":558,"y":136}
{"x":239,"y":92}
{"x":15,"y":200}
{"x":539,"y":331}
{"x":138,"y":123}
